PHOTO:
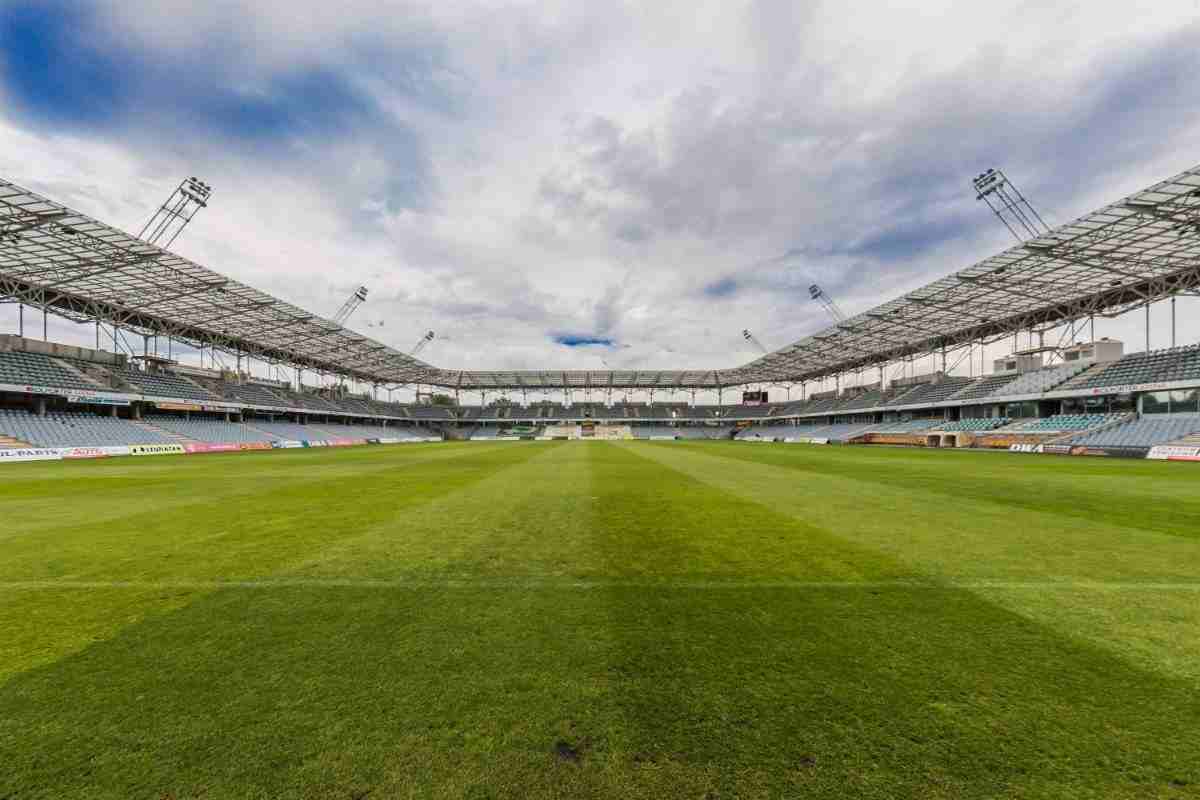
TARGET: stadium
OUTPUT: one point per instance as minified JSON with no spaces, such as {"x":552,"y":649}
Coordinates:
{"x":960,"y":561}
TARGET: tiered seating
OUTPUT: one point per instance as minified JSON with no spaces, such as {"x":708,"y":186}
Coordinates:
{"x":36,"y":369}
{"x":1064,"y":423}
{"x":978,"y":424}
{"x":1157,"y":366}
{"x":906,"y":426}
{"x":254,"y":394}
{"x":822,"y":404}
{"x":982,"y":387}
{"x":871,"y":399}
{"x":387,"y":409}
{"x":774,"y":431}
{"x":163,"y":384}
{"x":310,"y":402}
{"x":356,"y":405}
{"x":702,"y":412}
{"x":439,"y":413}
{"x":1145,"y":432}
{"x":75,"y":429}
{"x":287,"y":431}
{"x":747,"y":412}
{"x":338,"y":431}
{"x":844,"y":432}
{"x":212,"y":431}
{"x":1038,"y":381}
{"x":648,"y":431}
{"x":931,"y":393}
{"x":702,"y":432}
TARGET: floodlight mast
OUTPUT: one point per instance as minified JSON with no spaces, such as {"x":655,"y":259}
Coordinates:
{"x":169,"y":221}
{"x":422,"y":342}
{"x":1009,"y":205}
{"x":822,"y":297}
{"x":752,"y":339}
{"x":352,"y":302}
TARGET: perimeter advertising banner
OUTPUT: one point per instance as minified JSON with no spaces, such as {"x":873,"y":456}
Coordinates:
{"x":84,"y":452}
{"x":210,"y":447}
{"x":155,"y":449}
{"x":1174,"y":452}
{"x":254,"y":446}
{"x":30,"y":454}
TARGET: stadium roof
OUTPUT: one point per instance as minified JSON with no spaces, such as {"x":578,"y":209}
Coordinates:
{"x":1139,"y":249}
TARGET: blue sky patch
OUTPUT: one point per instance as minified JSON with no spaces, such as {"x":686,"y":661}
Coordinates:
{"x":582,"y":340}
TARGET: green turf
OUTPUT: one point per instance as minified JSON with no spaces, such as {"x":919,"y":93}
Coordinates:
{"x":534,"y":620}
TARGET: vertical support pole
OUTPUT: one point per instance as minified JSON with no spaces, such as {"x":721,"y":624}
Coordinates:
{"x":45,"y":326}
{"x":1147,"y":327}
{"x":97,"y":334}
{"x":21,"y":320}
{"x":1172,"y":321}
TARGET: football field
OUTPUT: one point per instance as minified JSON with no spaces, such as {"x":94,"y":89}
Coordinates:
{"x":600,"y":619}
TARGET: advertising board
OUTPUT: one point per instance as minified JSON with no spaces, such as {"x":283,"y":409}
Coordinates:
{"x":155,"y":449}
{"x":211,"y":447}
{"x":1174,"y":452}
{"x":30,"y":454}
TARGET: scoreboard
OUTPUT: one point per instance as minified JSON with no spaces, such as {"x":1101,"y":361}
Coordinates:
{"x":754,"y":398}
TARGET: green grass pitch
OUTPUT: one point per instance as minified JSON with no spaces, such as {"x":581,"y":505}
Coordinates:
{"x":594,"y":619}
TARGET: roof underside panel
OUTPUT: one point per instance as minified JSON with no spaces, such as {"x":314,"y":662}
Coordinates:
{"x":1141,"y":248}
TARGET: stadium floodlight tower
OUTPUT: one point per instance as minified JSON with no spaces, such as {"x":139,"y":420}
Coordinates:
{"x":425,"y":339}
{"x":831,"y":308}
{"x":822,"y":297}
{"x":352,"y":302}
{"x":753,"y":340}
{"x":174,"y":215}
{"x":1009,"y":205}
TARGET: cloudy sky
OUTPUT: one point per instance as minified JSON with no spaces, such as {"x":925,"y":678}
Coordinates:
{"x":571,"y":184}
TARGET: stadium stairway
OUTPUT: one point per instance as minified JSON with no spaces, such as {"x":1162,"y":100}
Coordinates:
{"x":75,"y":370}
{"x":98,"y":374}
{"x":146,"y":426}
{"x":1082,"y":378}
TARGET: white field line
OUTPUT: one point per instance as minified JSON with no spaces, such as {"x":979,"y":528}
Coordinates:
{"x":591,"y":584}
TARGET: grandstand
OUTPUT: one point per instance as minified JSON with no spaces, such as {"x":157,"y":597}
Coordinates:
{"x":154,"y":293}
{"x":1059,"y":277}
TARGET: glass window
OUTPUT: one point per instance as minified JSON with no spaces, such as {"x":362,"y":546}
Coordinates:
{"x":1184,"y":401}
{"x":1156,"y":402}
{"x":1122,"y":402}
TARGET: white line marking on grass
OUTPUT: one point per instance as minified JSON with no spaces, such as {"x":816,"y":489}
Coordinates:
{"x":586,"y":584}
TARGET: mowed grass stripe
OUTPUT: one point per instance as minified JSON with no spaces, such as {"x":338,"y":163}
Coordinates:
{"x":450,"y":690}
{"x":247,"y":536}
{"x":1095,"y":490}
{"x":528,"y":521}
{"x":112,"y":490}
{"x":968,"y":537}
{"x":983,"y":545}
{"x":886,"y":692}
